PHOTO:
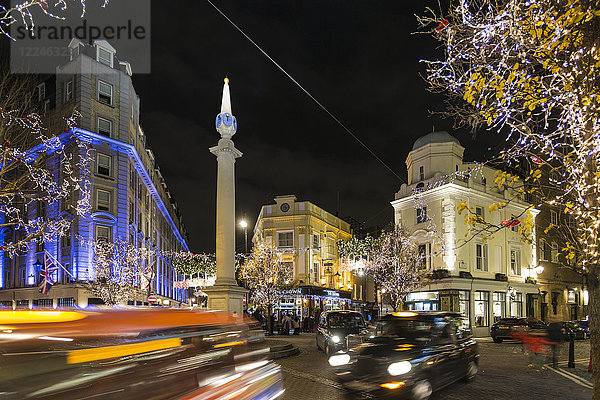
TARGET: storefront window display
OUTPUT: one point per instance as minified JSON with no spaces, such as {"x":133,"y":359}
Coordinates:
{"x":499,"y":307}
{"x":463,"y":302}
{"x":481,"y":301}
{"x":516,"y":305}
{"x":423,"y":301}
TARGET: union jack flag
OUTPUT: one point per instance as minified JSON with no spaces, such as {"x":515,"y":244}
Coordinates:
{"x":46,"y":274}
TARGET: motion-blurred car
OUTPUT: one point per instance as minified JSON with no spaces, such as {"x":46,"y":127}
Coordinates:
{"x":133,"y":354}
{"x":506,"y":328}
{"x":412,"y":355}
{"x":334,"y":326}
{"x":585,"y":325}
{"x":572,"y":329}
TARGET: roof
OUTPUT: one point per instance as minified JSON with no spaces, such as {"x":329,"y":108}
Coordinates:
{"x":434,"y":137}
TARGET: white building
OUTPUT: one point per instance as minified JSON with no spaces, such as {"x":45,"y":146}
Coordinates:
{"x":485,"y":278}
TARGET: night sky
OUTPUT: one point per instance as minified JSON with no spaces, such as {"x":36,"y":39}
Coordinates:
{"x":359,"y":59}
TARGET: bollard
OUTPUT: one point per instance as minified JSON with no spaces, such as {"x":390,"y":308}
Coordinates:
{"x":572,"y":353}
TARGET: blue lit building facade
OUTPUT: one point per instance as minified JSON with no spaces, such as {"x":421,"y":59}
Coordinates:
{"x":130,"y":200}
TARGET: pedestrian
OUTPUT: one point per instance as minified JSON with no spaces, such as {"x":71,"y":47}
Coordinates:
{"x":556,"y":337}
{"x":286,"y":324}
{"x":296,"y":326}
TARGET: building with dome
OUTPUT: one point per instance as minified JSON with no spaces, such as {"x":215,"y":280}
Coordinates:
{"x":486,"y":278}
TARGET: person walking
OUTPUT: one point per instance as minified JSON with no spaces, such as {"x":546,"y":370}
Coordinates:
{"x":287,"y":324}
{"x":296,"y":326}
{"x":556,"y":337}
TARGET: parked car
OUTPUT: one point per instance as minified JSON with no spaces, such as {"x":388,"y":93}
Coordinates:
{"x":334,"y":326}
{"x":134,"y":354}
{"x":585,"y":325}
{"x":412,"y":355}
{"x":506,"y":328}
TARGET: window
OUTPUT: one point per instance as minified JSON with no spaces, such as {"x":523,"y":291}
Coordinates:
{"x":68,"y":91}
{"x":421,"y":215}
{"x":425,"y":255}
{"x":105,"y":93}
{"x":315,"y":240}
{"x":516,"y":227}
{"x":104,"y":127}
{"x":554,"y":252}
{"x":41,"y":89}
{"x":421,"y":173}
{"x":463,"y":302}
{"x":554,"y":300}
{"x":104,"y":57}
{"x":133,"y":113}
{"x":103,"y":233}
{"x":499,"y":306}
{"x":104,"y":164}
{"x":481,"y":302}
{"x":285,"y":239}
{"x":46,"y":106}
{"x":543,"y":250}
{"x":103,"y":200}
{"x":479,"y":213}
{"x":481,"y":256}
{"x":7,"y":282}
{"x":131,"y":213}
{"x":553,"y":217}
{"x":66,"y":302}
{"x":65,"y":240}
{"x":515,"y":262}
{"x":516,"y":305}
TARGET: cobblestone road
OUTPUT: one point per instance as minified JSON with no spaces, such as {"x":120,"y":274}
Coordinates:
{"x":504,"y":374}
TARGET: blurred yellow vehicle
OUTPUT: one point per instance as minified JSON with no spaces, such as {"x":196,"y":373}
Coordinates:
{"x":134,"y":354}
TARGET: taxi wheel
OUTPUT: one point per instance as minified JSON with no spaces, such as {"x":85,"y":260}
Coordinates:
{"x":422,"y":390}
{"x":471,"y":371}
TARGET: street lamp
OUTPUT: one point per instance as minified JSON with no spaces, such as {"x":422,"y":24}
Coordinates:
{"x":244,"y":225}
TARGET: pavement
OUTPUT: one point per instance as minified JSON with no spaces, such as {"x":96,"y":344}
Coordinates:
{"x":505,"y":372}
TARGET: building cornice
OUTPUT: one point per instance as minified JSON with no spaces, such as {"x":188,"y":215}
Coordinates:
{"x":129,"y":149}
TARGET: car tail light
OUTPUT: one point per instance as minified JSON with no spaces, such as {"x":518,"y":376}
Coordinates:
{"x":562,"y":330}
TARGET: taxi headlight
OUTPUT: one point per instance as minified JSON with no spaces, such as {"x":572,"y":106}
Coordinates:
{"x":335,"y":339}
{"x":399,"y":368}
{"x":339,"y":359}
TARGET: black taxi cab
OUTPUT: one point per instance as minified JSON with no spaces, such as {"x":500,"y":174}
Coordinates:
{"x":133,"y":354}
{"x":410,"y":355}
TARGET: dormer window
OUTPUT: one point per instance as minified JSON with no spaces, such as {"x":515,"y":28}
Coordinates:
{"x":104,"y":56}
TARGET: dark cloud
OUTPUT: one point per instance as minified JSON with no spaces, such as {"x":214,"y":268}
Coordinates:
{"x":358,"y":58}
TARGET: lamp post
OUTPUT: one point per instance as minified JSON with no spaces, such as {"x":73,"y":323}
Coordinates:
{"x":244,"y":225}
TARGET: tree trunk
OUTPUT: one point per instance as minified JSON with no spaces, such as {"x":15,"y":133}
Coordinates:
{"x":594,"y":312}
{"x":269,"y":320}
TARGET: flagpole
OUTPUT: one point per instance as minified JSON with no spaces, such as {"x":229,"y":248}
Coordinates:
{"x":58,"y":263}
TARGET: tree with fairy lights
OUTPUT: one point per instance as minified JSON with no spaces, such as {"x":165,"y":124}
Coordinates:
{"x":118,"y":271}
{"x":43,"y":166}
{"x":267,"y":276}
{"x":530,"y":69}
{"x":397,"y":266}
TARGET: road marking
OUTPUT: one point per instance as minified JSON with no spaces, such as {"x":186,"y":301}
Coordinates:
{"x":318,"y":379}
{"x":578,"y":380}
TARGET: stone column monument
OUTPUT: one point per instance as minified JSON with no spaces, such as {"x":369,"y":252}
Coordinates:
{"x":226,"y":295}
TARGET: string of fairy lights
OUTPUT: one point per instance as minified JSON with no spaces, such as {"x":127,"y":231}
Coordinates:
{"x":530,"y":68}
{"x":23,"y":12}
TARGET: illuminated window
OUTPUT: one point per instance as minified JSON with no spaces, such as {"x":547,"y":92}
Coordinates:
{"x":499,"y":306}
{"x":481,"y":303}
{"x":516,"y":305}
{"x":105,"y":93}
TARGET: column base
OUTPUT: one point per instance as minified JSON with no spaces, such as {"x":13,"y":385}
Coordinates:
{"x":228,"y":298}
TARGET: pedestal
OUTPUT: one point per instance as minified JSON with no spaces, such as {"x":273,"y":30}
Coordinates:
{"x":226,"y":298}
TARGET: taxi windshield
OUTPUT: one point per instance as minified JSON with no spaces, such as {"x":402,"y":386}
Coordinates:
{"x":343,"y":320}
{"x":405,"y":329}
